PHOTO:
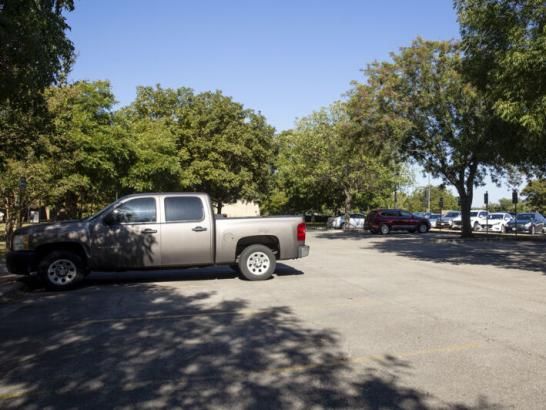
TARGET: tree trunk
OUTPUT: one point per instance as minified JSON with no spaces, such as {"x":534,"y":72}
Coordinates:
{"x":348,"y":207}
{"x":219,"y":207}
{"x":11,"y":220}
{"x":466,"y":206}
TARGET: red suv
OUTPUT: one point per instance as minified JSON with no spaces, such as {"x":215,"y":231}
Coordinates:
{"x":385,"y":220}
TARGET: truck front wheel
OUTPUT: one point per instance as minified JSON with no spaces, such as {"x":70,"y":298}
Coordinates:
{"x":61,"y":270}
{"x":257,"y":262}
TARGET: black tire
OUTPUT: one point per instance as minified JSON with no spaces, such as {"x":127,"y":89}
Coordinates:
{"x":422,"y":228}
{"x":532,"y":230}
{"x":61,"y":270}
{"x":384,"y":229}
{"x":257,"y":262}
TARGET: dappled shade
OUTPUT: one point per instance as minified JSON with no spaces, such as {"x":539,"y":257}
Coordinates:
{"x":80,"y":349}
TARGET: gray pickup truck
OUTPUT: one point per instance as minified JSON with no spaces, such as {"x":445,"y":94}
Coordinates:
{"x":155,"y":231}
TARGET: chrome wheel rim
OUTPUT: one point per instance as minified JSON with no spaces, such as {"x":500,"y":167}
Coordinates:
{"x":62,"y":272}
{"x":422,"y":228}
{"x":258,"y":263}
{"x":384,"y":229}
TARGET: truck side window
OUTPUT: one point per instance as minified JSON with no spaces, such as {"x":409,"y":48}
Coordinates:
{"x":139,"y":210}
{"x":183,"y":209}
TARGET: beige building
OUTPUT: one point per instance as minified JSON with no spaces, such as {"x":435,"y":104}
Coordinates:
{"x":240,"y":209}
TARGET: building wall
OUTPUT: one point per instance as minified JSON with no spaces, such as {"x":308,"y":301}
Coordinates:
{"x":241,"y":208}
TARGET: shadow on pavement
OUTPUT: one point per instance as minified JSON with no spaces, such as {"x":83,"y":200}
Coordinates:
{"x":150,"y":346}
{"x":447,"y":249}
{"x":166,"y":275}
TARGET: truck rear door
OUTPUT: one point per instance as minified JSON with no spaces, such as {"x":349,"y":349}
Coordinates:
{"x":186,"y":231}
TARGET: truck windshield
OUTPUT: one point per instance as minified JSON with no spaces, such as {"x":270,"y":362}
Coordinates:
{"x":102,"y":211}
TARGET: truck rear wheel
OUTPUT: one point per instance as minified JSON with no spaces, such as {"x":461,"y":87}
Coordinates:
{"x":61,"y":270}
{"x":257,"y":262}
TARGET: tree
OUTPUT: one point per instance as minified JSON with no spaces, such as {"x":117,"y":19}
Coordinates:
{"x":151,"y":122}
{"x":226,"y":150}
{"x":535,"y":195}
{"x":504,"y":43}
{"x":441,"y":121}
{"x":199,"y":142}
{"x":87,"y":152}
{"x":34,"y":53}
{"x":418,"y":200}
{"x":329,"y":162}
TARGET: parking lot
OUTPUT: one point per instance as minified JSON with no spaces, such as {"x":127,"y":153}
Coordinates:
{"x":396,"y":322}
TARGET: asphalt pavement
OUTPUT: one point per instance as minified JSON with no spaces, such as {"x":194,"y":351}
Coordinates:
{"x":395,"y":322}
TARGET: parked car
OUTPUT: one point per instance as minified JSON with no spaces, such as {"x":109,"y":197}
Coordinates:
{"x":478,"y":220}
{"x":433,"y":219}
{"x":497,"y":221}
{"x":446,"y":221}
{"x":385,"y":220}
{"x":356,"y":221}
{"x":165,"y":230}
{"x":530,"y":222}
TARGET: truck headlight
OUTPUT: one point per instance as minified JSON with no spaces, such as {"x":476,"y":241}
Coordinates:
{"x":20,"y":242}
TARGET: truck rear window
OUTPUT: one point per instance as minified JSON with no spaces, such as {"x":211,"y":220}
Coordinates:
{"x":183,"y":209}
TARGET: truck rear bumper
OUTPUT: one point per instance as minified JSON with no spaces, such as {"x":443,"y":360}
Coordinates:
{"x":303,"y":251}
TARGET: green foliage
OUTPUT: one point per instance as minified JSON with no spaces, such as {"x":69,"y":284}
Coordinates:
{"x":329,"y":162}
{"x":34,"y":49}
{"x":88,"y":153}
{"x":535,"y":195}
{"x":34,"y":53}
{"x":505,"y":56}
{"x":198,"y":142}
{"x":225,"y":150}
{"x":417,"y":201}
{"x":151,"y":122}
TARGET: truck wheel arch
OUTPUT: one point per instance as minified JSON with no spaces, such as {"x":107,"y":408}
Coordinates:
{"x":270,"y":241}
{"x":44,"y":250}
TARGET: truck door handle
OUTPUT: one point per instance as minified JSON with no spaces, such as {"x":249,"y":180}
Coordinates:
{"x":148,"y":230}
{"x":199,"y":229}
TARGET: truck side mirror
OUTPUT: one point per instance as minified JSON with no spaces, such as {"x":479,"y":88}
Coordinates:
{"x":113,"y":218}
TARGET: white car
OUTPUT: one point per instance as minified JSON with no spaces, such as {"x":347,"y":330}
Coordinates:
{"x":478,"y":220}
{"x":356,"y":221}
{"x":497,"y":221}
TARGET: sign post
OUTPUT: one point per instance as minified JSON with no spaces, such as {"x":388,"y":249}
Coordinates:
{"x":515,"y":202}
{"x":486,"y":202}
{"x":441,"y":210}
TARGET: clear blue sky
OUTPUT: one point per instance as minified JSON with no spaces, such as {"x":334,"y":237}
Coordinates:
{"x":283,"y":58}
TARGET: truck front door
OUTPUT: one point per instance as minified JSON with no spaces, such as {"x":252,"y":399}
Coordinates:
{"x":187,"y":231}
{"x":128,"y":237}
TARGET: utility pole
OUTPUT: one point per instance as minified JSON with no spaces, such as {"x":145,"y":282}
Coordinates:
{"x":428,"y":196}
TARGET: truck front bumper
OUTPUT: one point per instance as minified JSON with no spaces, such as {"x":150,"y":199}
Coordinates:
{"x":20,"y":262}
{"x":303,"y":251}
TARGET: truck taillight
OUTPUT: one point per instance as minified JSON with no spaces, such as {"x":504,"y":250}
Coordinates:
{"x":301,"y":232}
